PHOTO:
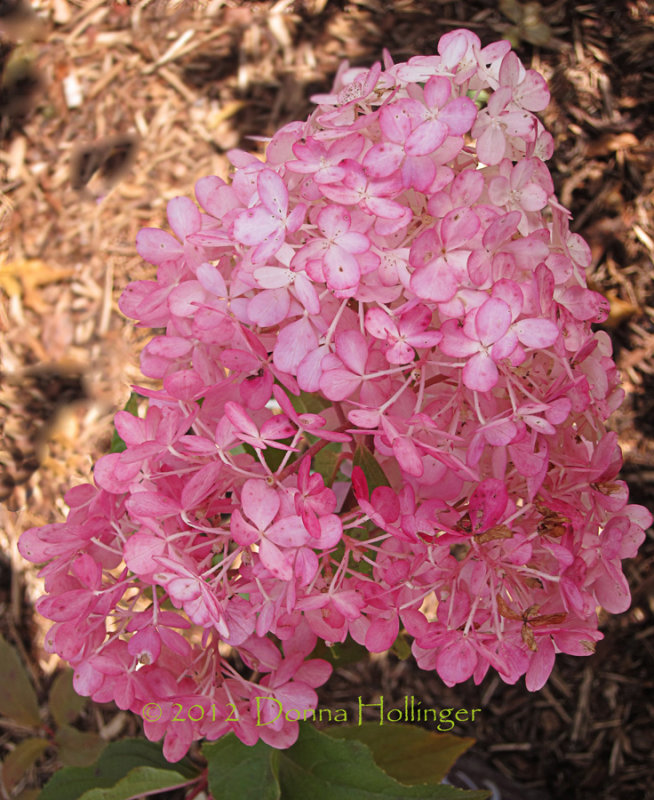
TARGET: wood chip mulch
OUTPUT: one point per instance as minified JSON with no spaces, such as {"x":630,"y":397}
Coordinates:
{"x":109,"y":109}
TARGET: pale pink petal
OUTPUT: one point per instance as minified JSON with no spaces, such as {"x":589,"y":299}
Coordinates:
{"x":492,"y":320}
{"x":183,"y":216}
{"x":536,"y":332}
{"x":294,"y":342}
{"x":480,"y":373}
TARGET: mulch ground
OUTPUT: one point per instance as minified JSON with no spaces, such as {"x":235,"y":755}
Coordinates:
{"x":109,"y":109}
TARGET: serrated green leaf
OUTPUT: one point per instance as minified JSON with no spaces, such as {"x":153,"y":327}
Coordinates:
{"x":408,"y":753}
{"x":21,"y":758}
{"x":236,"y":770}
{"x":78,"y":748}
{"x":132,"y":405}
{"x":17,"y":696}
{"x":63,"y":701}
{"x":321,"y":767}
{"x":117,"y":759}
{"x":139,"y":782}
{"x":371,"y":469}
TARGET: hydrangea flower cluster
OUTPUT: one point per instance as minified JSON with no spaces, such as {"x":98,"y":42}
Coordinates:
{"x":383,"y":407}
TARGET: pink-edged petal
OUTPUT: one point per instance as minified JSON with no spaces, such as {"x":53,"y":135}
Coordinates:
{"x":157,"y":246}
{"x":269,"y":307}
{"x":341,"y":269}
{"x":183,"y":216}
{"x":334,"y":221}
{"x":310,"y":370}
{"x":455,"y":343}
{"x":459,"y":227}
{"x":426,"y":138}
{"x":536,"y":332}
{"x":425,"y":339}
{"x":533,"y":197}
{"x":480,"y":373}
{"x":253,"y":226}
{"x":352,"y":349}
{"x":395,"y":122}
{"x":273,"y":277}
{"x":532,"y":93}
{"x":459,"y":115}
{"x":354,"y":242}
{"x":491,"y":145}
{"x":273,"y":192}
{"x":388,"y":209}
{"x":294,"y":342}
{"x":379,"y":324}
{"x":492,"y":320}
{"x":210,"y":279}
{"x":437,"y":91}
{"x":383,"y":159}
{"x":435,"y":282}
{"x":306,"y":293}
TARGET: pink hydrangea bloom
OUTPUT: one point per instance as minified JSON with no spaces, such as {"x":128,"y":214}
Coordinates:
{"x":380,"y":387}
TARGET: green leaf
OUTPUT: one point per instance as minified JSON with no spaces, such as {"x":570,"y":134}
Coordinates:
{"x":401,"y":647}
{"x":117,"y":759}
{"x":315,"y":768}
{"x":273,"y":456}
{"x":78,"y":748}
{"x":132,"y":405}
{"x":408,"y":753}
{"x":138,"y":782}
{"x":17,"y":696}
{"x":25,"y":755}
{"x":236,"y":770}
{"x":318,"y":767}
{"x":371,"y":469}
{"x":340,"y":653}
{"x":325,"y":462}
{"x":64,"y":703}
{"x":308,"y":403}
